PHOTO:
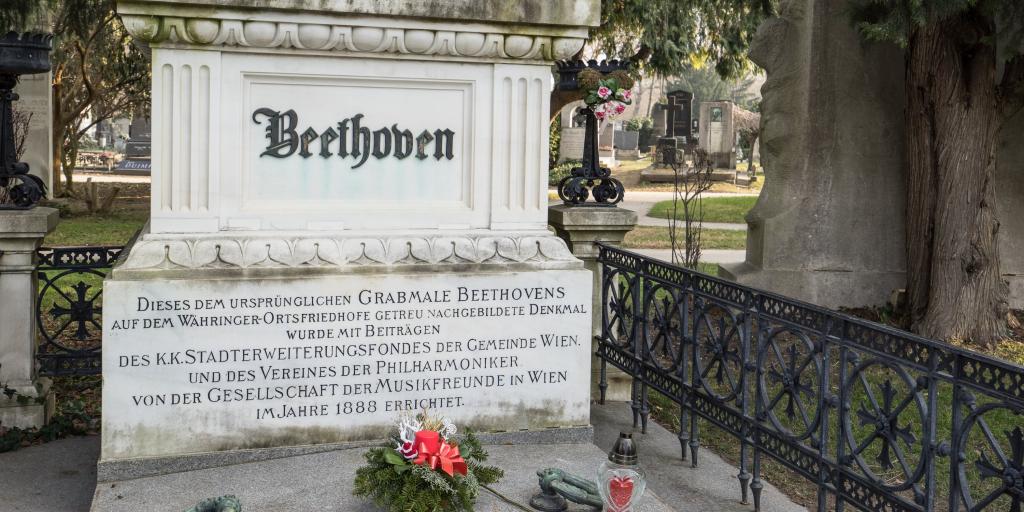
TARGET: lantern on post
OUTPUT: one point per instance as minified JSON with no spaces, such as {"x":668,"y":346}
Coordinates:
{"x":20,"y":54}
{"x":606,"y":88}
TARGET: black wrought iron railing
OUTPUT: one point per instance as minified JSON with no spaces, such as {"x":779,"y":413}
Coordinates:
{"x":874,"y":417}
{"x":69,"y":308}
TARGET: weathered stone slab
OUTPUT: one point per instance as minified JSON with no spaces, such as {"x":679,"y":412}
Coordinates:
{"x":197,"y":366}
{"x":829,"y":226}
{"x":571,"y":144}
{"x":35,"y":92}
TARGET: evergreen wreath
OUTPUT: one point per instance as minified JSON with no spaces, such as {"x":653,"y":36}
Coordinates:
{"x":427,"y":469}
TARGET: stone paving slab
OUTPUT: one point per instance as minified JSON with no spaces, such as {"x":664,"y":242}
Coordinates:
{"x":323,"y":482}
{"x":59,"y":476}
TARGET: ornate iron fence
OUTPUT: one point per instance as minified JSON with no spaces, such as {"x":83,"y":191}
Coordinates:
{"x":875,"y":417}
{"x":69,"y":308}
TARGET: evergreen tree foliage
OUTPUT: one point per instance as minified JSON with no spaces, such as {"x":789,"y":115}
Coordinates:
{"x":664,"y":35}
{"x":998,"y":24}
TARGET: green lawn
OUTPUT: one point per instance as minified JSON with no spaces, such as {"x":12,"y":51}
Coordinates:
{"x":110,"y":229}
{"x":653,"y":237}
{"x":716,"y":209}
{"x":710,"y":269}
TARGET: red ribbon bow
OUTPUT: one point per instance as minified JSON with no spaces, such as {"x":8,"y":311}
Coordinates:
{"x":436,"y":453}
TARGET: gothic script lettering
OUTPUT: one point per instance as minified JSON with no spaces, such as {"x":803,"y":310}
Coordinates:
{"x":350,"y":138}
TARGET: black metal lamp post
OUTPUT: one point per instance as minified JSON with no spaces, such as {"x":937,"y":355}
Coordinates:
{"x":20,"y":54}
{"x":590,"y":179}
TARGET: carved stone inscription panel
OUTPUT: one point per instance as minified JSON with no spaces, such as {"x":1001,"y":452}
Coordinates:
{"x":195,"y":366}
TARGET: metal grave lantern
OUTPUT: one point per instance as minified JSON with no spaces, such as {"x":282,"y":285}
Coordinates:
{"x":620,"y":480}
{"x":590,"y":180}
{"x":20,"y":54}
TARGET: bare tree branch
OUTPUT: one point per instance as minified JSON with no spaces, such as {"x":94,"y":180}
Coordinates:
{"x":689,"y":185}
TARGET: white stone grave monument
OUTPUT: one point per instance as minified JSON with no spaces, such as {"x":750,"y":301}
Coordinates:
{"x":718,"y":132}
{"x":349,"y":224}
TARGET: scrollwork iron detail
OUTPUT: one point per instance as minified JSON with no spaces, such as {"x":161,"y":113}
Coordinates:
{"x":69,"y":308}
{"x":591,"y":179}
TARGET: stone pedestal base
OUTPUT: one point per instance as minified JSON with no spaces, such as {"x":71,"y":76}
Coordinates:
{"x":581,"y":227}
{"x":33,"y":410}
{"x":21,"y":233}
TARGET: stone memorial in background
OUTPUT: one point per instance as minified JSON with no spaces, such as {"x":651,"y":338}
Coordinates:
{"x":718,"y":132}
{"x":35,"y":101}
{"x":349,"y":224}
{"x":571,"y":144}
{"x":572,"y":134}
{"x":606,"y":144}
{"x":659,"y":121}
{"x":627,"y":145}
{"x":679,"y":114}
{"x":137,"y":149}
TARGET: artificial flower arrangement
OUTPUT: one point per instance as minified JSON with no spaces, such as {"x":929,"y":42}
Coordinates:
{"x":606,"y":95}
{"x":426,"y":468}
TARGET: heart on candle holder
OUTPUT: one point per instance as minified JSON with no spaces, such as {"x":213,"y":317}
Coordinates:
{"x":620,"y":490}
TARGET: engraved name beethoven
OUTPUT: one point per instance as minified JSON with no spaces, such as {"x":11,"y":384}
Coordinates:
{"x":350,"y":139}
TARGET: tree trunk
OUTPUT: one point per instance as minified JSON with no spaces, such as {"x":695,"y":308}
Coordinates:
{"x":954,"y":287}
{"x":68,"y":166}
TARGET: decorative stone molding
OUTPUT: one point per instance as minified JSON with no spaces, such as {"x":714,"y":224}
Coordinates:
{"x":219,"y":252}
{"x":348,"y":38}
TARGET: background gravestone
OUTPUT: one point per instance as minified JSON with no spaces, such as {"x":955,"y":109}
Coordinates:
{"x":660,"y":122}
{"x":138,"y":148}
{"x":718,"y":132}
{"x":348,"y":224}
{"x":625,"y":139}
{"x":570,"y":144}
{"x":35,"y":94}
{"x":626,"y":145}
{"x":679,"y":115}
{"x":606,"y":143}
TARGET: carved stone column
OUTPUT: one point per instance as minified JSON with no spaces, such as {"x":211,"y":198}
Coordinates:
{"x":21,"y":232}
{"x":582,"y":227}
